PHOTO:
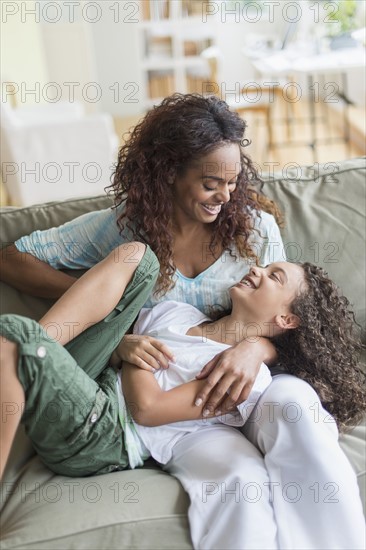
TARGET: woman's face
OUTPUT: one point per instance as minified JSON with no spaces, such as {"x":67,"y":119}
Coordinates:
{"x":206,"y":185}
{"x":264,"y":296}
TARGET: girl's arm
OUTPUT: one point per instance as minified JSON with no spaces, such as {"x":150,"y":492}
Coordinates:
{"x":151,"y":406}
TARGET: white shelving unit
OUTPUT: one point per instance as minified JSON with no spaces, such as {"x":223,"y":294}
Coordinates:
{"x":170,"y":50}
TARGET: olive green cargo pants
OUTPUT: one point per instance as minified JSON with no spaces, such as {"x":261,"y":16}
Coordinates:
{"x":71,"y":411}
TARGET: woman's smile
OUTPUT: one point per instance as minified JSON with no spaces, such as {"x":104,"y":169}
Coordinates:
{"x":212,"y":209}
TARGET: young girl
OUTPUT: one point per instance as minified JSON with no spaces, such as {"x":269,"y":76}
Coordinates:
{"x":95,"y":433}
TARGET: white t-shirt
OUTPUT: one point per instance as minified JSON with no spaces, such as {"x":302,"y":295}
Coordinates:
{"x":169,"y":322}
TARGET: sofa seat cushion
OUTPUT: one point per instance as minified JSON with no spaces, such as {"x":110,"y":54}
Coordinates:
{"x":144,"y":508}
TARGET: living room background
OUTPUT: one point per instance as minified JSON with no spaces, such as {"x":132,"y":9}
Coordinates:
{"x":121,"y":58}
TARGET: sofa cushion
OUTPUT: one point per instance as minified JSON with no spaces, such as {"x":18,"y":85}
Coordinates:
{"x":16,"y":222}
{"x":324,"y":208}
{"x":139,"y":509}
{"x":325,"y":223}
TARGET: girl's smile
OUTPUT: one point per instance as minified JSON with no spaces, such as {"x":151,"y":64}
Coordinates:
{"x":264,"y":296}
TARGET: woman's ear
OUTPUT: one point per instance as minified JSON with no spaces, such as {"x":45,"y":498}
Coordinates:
{"x":288,"y":321}
{"x":171,"y":176}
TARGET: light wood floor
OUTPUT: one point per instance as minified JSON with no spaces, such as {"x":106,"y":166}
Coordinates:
{"x":292,"y":136}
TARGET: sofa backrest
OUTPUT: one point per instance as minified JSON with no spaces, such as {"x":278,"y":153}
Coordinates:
{"x":16,"y":222}
{"x":324,"y":208}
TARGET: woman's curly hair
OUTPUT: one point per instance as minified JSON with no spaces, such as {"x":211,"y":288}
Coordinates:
{"x":324,"y":350}
{"x":173,"y":135}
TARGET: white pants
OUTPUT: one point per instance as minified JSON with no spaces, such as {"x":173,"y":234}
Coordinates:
{"x":299,"y":492}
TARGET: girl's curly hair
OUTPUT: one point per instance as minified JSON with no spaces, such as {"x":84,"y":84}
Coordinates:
{"x":173,"y":135}
{"x":324,"y":350}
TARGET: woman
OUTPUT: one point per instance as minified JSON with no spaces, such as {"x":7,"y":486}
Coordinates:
{"x":277,"y":301}
{"x":181,"y":186}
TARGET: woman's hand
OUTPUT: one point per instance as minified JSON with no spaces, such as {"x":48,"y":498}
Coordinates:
{"x":143,"y":351}
{"x":232,"y":373}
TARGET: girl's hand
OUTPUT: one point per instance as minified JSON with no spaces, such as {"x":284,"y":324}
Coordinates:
{"x":144,"y":352}
{"x":232,"y":373}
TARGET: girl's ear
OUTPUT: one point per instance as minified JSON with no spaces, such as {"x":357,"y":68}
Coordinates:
{"x":288,"y":321}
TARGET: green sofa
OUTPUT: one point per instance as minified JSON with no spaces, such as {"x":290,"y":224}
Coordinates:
{"x":146,"y":508}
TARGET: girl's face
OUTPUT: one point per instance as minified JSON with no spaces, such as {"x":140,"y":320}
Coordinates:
{"x":206,"y":185}
{"x":265,"y":295}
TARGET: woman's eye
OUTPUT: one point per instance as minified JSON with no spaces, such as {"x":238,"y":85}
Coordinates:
{"x":208,"y":188}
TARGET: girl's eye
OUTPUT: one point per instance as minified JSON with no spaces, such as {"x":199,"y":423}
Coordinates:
{"x":209,"y":188}
{"x":275,"y":277}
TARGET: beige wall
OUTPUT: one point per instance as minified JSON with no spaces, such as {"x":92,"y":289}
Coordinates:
{"x":23,"y":57}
